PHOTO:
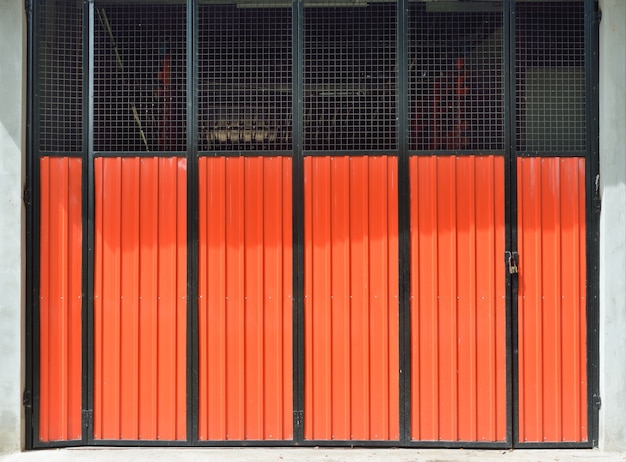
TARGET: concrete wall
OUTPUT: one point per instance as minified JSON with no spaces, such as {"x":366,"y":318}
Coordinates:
{"x":613,"y":225}
{"x":12,"y":60}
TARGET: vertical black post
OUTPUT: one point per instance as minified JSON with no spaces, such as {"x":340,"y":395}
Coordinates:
{"x":192,"y":223}
{"x":35,"y":271}
{"x":88,"y":188}
{"x":593,"y":202}
{"x":404,"y":221}
{"x":298,"y":221}
{"x":31,"y":236}
{"x":510,"y":204}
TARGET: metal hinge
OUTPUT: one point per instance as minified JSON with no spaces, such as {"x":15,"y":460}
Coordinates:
{"x":27,"y":398}
{"x":597,"y":201}
{"x":28,"y":6}
{"x":298,"y":419}
{"x":27,"y":196}
{"x":598,"y":17}
{"x":87,"y":418}
{"x":512,"y":261}
{"x":597,"y":401}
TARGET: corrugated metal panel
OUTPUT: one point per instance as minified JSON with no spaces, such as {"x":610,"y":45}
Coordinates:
{"x":351,"y":298}
{"x":140,"y":298}
{"x":60,"y":299}
{"x":458,"y":304}
{"x":552,"y":300}
{"x":245,"y":299}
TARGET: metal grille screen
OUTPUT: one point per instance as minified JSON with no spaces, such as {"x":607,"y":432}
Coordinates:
{"x":245,"y":53}
{"x":550,"y":76}
{"x":456,"y":76}
{"x":60,"y":76}
{"x":350,"y":77}
{"x":245,"y":78}
{"x":139,"y":78}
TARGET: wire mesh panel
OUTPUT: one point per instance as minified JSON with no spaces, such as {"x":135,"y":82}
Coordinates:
{"x":456,"y":75}
{"x":139,"y":78}
{"x":245,"y":77}
{"x":60,"y":75}
{"x":349,"y":76}
{"x":550,"y":77}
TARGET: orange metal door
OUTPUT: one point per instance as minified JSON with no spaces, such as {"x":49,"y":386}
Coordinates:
{"x":60,"y":299}
{"x":351,"y":298}
{"x":458,"y":318}
{"x":552,"y":300}
{"x":245,"y":299}
{"x":140,"y":289}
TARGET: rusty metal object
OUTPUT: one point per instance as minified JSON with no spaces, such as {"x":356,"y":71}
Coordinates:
{"x":237,"y":132}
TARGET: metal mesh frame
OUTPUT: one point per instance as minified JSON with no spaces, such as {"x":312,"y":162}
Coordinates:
{"x":550,"y":76}
{"x":350,"y":77}
{"x":245,"y":78}
{"x":60,"y":76}
{"x":140,"y":78}
{"x":456,"y":78}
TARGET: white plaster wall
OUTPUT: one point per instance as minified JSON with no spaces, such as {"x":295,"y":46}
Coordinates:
{"x":613,"y":225}
{"x":11,"y":216}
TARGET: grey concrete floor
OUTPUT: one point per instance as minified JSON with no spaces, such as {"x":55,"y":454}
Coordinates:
{"x":307,"y":455}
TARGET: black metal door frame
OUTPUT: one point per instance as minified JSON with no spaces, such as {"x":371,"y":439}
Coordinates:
{"x":403,"y":153}
{"x":590,"y":152}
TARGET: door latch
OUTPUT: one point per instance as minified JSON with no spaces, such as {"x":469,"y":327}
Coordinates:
{"x":512,"y":260}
